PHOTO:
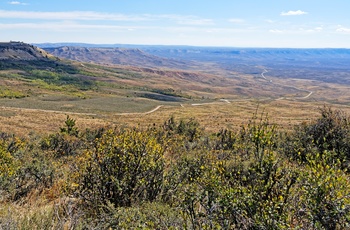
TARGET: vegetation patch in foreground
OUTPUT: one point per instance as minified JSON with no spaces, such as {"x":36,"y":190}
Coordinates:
{"x":179,"y":176}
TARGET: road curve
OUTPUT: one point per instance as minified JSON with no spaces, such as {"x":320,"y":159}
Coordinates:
{"x":281,"y":98}
{"x":145,"y":113}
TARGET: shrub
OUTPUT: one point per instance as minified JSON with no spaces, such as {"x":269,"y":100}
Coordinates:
{"x":62,"y":145}
{"x":323,"y":195}
{"x":124,"y":168}
{"x":190,"y":129}
{"x":330,"y":132}
{"x":70,"y":127}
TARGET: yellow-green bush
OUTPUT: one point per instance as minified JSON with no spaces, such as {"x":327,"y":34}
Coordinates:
{"x":7,"y":163}
{"x":123,"y":168}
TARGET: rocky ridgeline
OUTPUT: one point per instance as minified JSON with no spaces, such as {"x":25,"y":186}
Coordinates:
{"x":114,"y":56}
{"x":21,"y":51}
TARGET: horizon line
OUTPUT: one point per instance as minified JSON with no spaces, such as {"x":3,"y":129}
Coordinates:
{"x":174,"y":45}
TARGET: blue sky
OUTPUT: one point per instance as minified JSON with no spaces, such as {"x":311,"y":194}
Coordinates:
{"x":234,"y":23}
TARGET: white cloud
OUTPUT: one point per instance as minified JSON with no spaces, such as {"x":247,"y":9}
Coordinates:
{"x":71,"y":15}
{"x":342,"y":29}
{"x":293,"y":13}
{"x":195,"y":22}
{"x":275,"y":31}
{"x":297,"y":30}
{"x":67,"y":26}
{"x":183,"y":19}
{"x":319,"y":29}
{"x":17,"y":3}
{"x":100,"y":16}
{"x":73,"y":26}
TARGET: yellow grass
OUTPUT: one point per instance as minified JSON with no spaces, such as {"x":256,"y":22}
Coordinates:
{"x":212,"y":116}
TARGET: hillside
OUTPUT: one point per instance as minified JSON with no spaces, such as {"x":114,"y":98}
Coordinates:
{"x":23,"y":56}
{"x":21,"y":51}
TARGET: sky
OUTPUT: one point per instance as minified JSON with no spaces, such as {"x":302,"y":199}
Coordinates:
{"x":223,"y":23}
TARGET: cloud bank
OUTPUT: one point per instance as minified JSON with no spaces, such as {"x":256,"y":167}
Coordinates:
{"x":17,"y":3}
{"x":293,"y":13}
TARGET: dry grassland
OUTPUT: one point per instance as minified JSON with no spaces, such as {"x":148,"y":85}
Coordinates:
{"x":213,"y":117}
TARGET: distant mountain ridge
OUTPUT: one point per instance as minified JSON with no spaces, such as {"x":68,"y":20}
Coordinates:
{"x":228,"y":56}
{"x":23,"y":56}
{"x":19,"y":51}
{"x":114,"y":56}
{"x":181,"y":50}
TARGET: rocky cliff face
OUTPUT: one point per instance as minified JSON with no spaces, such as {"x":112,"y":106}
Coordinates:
{"x":23,"y":56}
{"x":21,"y":51}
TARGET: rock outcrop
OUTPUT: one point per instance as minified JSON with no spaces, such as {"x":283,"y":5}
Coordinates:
{"x":21,"y":51}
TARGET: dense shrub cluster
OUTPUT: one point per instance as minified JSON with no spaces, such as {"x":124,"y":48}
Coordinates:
{"x":177,"y":176}
{"x":123,"y":168}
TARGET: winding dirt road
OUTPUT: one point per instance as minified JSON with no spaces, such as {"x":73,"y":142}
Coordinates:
{"x":281,"y":98}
